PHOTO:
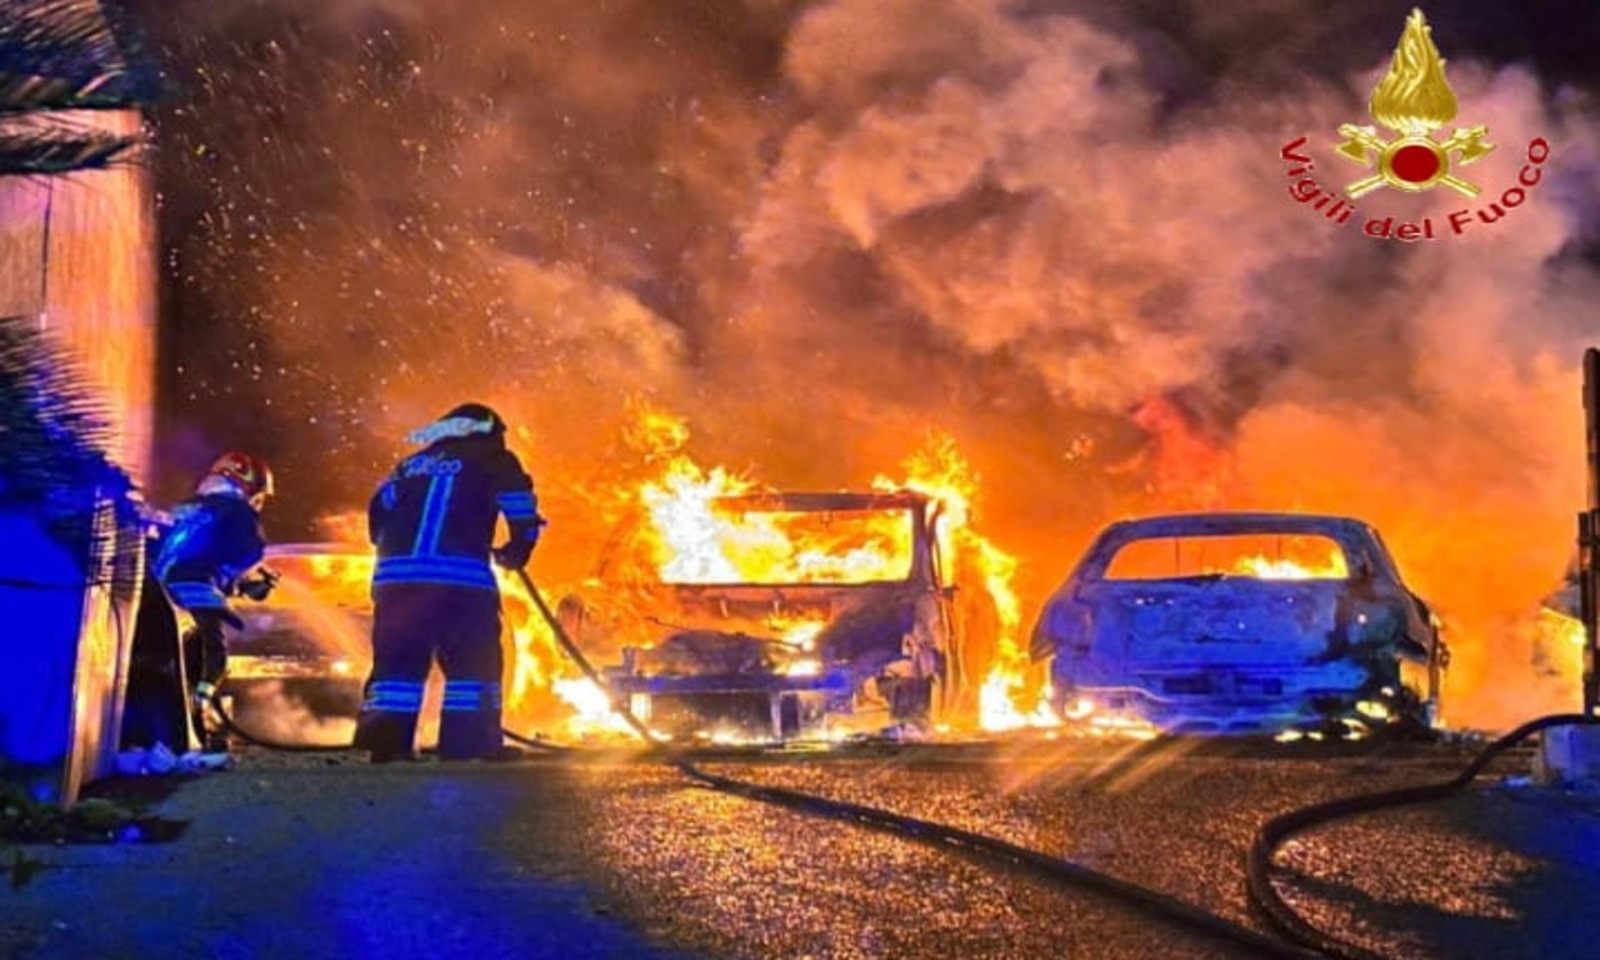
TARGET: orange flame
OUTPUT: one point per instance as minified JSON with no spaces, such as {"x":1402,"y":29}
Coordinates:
{"x":940,"y":471}
{"x":683,"y":534}
{"x":1263,"y":567}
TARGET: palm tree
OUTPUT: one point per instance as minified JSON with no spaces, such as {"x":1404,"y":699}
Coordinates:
{"x":57,"y":57}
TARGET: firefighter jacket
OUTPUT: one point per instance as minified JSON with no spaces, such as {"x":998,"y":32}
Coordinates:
{"x":214,"y":539}
{"x":433,"y":520}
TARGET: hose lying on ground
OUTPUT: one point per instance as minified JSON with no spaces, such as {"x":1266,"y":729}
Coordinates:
{"x":232,"y":726}
{"x":1052,"y":868}
{"x":1308,"y":941}
{"x":1264,"y":895}
{"x":254,"y":739}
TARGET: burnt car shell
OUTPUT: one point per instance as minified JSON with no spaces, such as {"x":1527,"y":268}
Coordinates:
{"x":1225,"y":653}
{"x":710,"y":662}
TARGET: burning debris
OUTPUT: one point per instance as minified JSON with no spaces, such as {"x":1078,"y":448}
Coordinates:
{"x":892,"y":598}
{"x":781,"y":614}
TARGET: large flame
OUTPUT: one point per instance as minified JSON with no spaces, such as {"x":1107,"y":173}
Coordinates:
{"x":693,"y":538}
{"x":1413,"y":97}
{"x":686,"y":535}
{"x":1558,"y":652}
{"x":696,"y":544}
{"x":989,"y":645}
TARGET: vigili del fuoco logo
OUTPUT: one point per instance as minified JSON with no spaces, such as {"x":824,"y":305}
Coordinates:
{"x":1412,"y":102}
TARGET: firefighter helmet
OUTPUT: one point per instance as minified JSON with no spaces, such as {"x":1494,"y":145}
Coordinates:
{"x":246,"y":471}
{"x":479,"y":412}
{"x":463,"y":420}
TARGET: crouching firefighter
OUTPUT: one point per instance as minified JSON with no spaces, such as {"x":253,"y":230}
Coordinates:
{"x":212,"y":551}
{"x":434,"y":593}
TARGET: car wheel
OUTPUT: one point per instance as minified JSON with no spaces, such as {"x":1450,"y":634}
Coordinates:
{"x":910,"y":699}
{"x":1063,"y":695}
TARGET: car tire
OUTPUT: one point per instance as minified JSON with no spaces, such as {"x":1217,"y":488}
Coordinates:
{"x":910,"y":699}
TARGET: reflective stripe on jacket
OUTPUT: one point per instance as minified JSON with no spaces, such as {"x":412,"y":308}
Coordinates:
{"x":213,"y":540}
{"x":433,"y":520}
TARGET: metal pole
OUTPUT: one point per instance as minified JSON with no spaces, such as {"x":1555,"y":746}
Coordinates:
{"x":1589,"y":539}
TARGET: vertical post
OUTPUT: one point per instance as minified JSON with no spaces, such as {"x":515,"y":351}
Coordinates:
{"x":1589,"y":539}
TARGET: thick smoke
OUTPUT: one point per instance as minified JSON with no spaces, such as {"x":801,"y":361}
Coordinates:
{"x":1061,"y":232}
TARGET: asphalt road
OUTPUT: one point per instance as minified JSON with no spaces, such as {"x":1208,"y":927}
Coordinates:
{"x":307,"y":856}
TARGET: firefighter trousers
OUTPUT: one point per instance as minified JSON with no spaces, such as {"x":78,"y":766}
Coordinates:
{"x":205,"y":660}
{"x":414,"y":624}
{"x":205,"y":652}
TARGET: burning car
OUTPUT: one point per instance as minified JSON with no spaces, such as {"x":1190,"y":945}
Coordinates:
{"x":300,"y":662}
{"x":771,"y":616}
{"x":1244,"y":623}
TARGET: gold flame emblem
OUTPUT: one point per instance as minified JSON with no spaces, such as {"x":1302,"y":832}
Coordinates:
{"x":1413,"y":100}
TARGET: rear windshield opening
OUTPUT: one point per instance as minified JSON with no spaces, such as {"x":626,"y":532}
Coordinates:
{"x":1263,"y":556}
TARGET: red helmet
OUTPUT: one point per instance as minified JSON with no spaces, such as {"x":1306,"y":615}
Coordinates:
{"x":247,"y":471}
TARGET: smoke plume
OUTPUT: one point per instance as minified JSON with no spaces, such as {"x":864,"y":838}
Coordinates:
{"x":1061,"y":232}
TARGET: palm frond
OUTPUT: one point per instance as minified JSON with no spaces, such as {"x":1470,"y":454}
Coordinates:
{"x":70,"y":55}
{"x":54,"y":437}
{"x":45,"y":153}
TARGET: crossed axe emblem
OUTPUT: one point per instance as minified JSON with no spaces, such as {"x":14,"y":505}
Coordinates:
{"x":1413,"y":161}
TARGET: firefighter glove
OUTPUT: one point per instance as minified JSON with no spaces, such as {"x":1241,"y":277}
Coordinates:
{"x":259,"y":587}
{"x":513,"y":556}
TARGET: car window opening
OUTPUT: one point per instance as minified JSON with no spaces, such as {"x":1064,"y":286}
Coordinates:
{"x":1261,"y":556}
{"x":788,"y":547}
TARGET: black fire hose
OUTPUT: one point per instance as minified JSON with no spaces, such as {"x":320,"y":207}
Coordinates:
{"x":577,"y":657}
{"x":1264,"y":896}
{"x":232,"y":726}
{"x":938,"y":835}
{"x":228,"y":724}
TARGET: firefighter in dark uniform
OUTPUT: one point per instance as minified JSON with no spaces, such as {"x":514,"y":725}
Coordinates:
{"x":212,"y":551}
{"x":434,"y":593}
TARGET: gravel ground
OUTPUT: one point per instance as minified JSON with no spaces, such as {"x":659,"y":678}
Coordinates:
{"x":302,"y":856}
